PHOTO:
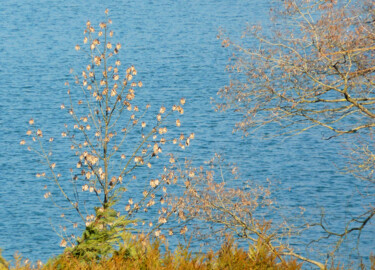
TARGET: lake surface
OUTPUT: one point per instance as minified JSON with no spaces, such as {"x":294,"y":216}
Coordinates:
{"x":174,"y":47}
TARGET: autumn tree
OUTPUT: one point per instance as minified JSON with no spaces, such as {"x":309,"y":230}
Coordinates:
{"x":247,"y":213}
{"x":110,"y":137}
{"x":314,"y":68}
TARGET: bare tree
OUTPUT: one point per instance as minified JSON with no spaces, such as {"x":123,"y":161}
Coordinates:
{"x":319,"y":71}
{"x":316,"y":69}
{"x":247,"y":213}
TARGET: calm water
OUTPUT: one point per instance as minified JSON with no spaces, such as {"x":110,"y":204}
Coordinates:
{"x":174,"y":47}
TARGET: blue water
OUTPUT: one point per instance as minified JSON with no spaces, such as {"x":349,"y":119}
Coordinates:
{"x":174,"y":47}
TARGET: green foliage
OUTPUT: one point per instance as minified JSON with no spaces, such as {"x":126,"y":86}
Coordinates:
{"x":102,"y":236}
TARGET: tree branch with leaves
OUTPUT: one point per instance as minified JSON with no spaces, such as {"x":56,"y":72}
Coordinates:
{"x":110,"y":139}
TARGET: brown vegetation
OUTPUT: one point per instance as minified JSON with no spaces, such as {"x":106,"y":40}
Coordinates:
{"x":320,"y":77}
{"x":138,"y":255}
{"x":315,"y":69}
